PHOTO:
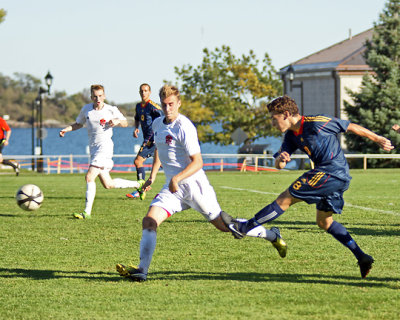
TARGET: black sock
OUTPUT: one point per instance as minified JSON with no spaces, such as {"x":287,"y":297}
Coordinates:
{"x":340,"y":233}
{"x":141,"y":173}
{"x":9,"y":163}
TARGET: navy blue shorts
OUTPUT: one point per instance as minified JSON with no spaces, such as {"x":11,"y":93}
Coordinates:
{"x":321,"y":188}
{"x":147,"y":149}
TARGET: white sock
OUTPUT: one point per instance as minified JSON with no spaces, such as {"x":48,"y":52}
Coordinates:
{"x":123,"y":183}
{"x":147,"y":247}
{"x":258,"y":232}
{"x":90,"y":195}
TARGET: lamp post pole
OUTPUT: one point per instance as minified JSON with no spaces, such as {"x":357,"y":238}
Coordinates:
{"x":39,"y":123}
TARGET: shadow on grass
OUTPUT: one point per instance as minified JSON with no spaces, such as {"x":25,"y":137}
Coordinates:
{"x":34,"y":274}
{"x":63,"y":197}
{"x":278,"y":277}
{"x":373,"y":282}
{"x":32,"y":215}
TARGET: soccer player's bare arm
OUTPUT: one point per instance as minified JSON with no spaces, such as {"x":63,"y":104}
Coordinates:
{"x":118,"y":122}
{"x":136,"y":131}
{"x":195,"y":165}
{"x":154,"y":170}
{"x":384,"y":143}
{"x":72,"y":127}
{"x":7,"y":138}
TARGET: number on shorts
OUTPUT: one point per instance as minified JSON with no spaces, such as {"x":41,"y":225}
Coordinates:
{"x":297,"y":185}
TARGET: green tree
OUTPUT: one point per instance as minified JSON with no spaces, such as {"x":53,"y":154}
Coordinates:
{"x":377,"y":105}
{"x":229,"y":91}
{"x":3,"y":14}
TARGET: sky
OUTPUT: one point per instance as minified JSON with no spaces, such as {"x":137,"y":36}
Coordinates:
{"x":123,"y":43}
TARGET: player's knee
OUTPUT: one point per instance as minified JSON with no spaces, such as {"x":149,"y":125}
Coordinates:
{"x":149,"y":223}
{"x":138,"y":162}
{"x":323,"y":224}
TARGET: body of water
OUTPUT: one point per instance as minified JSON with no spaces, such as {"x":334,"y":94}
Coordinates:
{"x":76,"y":143}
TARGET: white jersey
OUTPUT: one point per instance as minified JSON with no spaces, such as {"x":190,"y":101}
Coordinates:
{"x":100,"y":133}
{"x":97,"y":122}
{"x":176,"y":142}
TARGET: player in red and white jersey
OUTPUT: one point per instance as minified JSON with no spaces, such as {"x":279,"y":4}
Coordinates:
{"x":99,"y":118}
{"x":187,"y":186}
{"x":5,"y":134}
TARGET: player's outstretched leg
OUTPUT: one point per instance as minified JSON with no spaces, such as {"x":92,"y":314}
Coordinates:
{"x":273,"y":235}
{"x":340,"y":233}
{"x":16,"y":166}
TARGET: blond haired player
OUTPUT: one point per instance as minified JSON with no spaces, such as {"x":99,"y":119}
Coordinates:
{"x":187,"y":186}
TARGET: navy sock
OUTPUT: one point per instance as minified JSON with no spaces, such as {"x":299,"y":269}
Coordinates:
{"x":268,"y":213}
{"x":340,"y":233}
{"x":141,"y":173}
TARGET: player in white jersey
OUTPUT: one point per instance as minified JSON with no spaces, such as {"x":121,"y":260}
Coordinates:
{"x":178,"y":151}
{"x":100,"y":118}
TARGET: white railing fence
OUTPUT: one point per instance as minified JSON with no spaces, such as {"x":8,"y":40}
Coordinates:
{"x":124,"y":162}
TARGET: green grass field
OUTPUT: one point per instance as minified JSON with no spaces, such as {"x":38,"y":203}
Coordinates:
{"x":55,"y":267}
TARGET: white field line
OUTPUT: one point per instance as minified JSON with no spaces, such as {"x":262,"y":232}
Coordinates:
{"x":346,"y":203}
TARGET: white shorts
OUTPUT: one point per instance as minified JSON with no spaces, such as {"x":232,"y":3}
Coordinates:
{"x":195,"y":193}
{"x":101,"y":157}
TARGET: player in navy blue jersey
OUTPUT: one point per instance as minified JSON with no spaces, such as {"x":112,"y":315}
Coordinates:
{"x":324,"y":185}
{"x":146,"y":112}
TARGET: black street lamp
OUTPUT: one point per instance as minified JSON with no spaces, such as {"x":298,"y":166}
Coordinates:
{"x":49,"y":81}
{"x":38,"y":124}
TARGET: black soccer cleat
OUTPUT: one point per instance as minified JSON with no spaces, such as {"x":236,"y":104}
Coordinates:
{"x":232,"y":224}
{"x":365,"y":264}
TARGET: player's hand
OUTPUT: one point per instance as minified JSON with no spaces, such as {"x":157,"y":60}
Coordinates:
{"x":284,"y":157}
{"x":282,"y":160}
{"x":396,"y":128}
{"x":136,"y":133}
{"x":173,"y":185}
{"x":147,"y":185}
{"x":113,"y":123}
{"x":384,"y":143}
{"x":62,"y":133}
{"x":5,"y":142}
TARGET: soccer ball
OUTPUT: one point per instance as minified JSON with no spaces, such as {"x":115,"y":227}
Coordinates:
{"x":29,"y":197}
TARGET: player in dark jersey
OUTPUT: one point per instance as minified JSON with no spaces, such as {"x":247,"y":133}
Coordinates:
{"x":325,"y":184}
{"x":146,"y":112}
{"x":5,"y":133}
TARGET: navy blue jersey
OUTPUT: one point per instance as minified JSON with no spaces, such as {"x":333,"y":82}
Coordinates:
{"x":318,"y":138}
{"x":145,"y":114}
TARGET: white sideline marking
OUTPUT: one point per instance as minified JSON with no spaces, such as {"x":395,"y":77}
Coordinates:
{"x":346,"y":203}
{"x":372,"y":209}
